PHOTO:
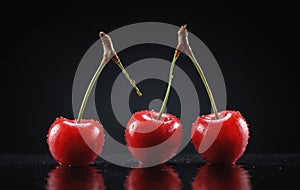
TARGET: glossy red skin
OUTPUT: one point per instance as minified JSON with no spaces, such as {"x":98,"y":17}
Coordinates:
{"x":62,"y":178}
{"x":162,"y":136}
{"x":214,"y":177}
{"x":159,"y":177}
{"x":75,"y":144}
{"x":231,"y":141}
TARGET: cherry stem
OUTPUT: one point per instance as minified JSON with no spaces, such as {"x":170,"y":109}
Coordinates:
{"x":93,"y":81}
{"x":163,"y":107}
{"x":210,"y":95}
{"x":132,"y":82}
{"x":109,"y":53}
{"x":89,"y":90}
{"x":184,"y":46}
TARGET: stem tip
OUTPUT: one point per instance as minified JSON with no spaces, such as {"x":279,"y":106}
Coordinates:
{"x":101,"y":34}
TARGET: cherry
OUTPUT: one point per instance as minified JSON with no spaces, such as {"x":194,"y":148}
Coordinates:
{"x":75,"y":144}
{"x":216,"y":177}
{"x":220,"y":137}
{"x":151,"y":140}
{"x":151,"y":137}
{"x":78,"y":142}
{"x":158,"y":177}
{"x":61,"y":178}
{"x":220,"y":141}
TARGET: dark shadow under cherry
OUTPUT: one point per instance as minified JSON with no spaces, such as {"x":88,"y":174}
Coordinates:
{"x":162,"y":177}
{"x":221,"y":177}
{"x":73,"y":178}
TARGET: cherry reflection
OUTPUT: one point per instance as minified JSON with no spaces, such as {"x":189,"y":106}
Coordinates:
{"x":158,"y":177}
{"x":218,"y":177}
{"x":64,"y":178}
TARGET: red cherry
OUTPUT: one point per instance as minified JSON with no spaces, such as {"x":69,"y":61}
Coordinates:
{"x":222,"y":140}
{"x":151,"y":140}
{"x":215,"y":177}
{"x":79,"y":142}
{"x":75,"y":144}
{"x":158,"y":177}
{"x":220,"y":137}
{"x":62,"y":178}
{"x":151,"y":137}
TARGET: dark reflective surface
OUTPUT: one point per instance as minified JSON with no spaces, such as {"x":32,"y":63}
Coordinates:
{"x":221,"y":177}
{"x":182,"y":172}
{"x":162,"y":177}
{"x":61,"y":178}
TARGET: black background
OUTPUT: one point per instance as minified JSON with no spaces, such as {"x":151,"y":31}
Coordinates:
{"x":42,"y":44}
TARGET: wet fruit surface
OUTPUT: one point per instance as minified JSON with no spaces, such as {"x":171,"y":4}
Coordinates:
{"x":151,"y":140}
{"x":223,"y":140}
{"x":75,"y":144}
